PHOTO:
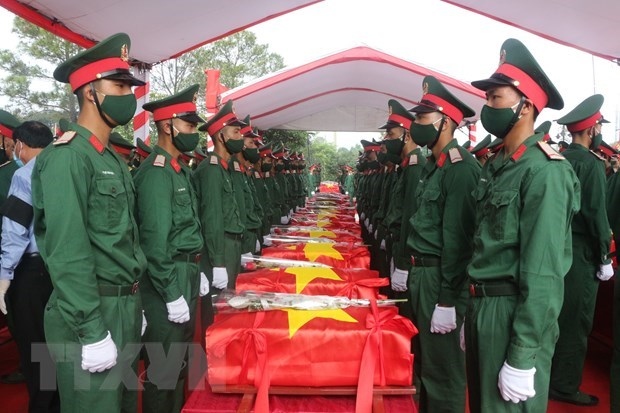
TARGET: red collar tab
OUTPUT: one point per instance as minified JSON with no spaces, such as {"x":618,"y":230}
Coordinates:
{"x":401,"y":120}
{"x":481,"y":152}
{"x":519,"y":153}
{"x":121,"y":150}
{"x":584,"y":124}
{"x":6,"y":131}
{"x":175,"y":165}
{"x":220,"y":123}
{"x":96,"y":144}
{"x":174,"y":111}
{"x":442,"y":159}
{"x":443,"y":106}
{"x":524,"y":83}
{"x":94,"y":71}
{"x":224,"y":164}
{"x":186,"y":158}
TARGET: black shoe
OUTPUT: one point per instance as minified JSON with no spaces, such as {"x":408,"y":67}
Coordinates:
{"x":578,"y":398}
{"x":13,"y":378}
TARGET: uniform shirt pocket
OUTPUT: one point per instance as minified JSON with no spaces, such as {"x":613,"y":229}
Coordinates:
{"x":504,"y":215}
{"x":108,"y":204}
{"x":182,"y":213}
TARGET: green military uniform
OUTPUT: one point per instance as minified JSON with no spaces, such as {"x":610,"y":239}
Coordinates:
{"x":220,"y":217}
{"x":8,"y":166}
{"x":522,"y":250}
{"x":441,"y":244}
{"x":171,"y":239}
{"x":83,"y":201}
{"x":591,"y":240}
{"x":246,"y":204}
{"x":123,"y":148}
{"x":481,"y":150}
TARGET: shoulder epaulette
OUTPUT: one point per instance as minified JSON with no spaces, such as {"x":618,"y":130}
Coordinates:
{"x":597,"y":155}
{"x":160,"y":160}
{"x":257,"y":174}
{"x":213,"y":160}
{"x":65,"y":138}
{"x":455,"y":155}
{"x":549,"y":151}
{"x":413,"y":159}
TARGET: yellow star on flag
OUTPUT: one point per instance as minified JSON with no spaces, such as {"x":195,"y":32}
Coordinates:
{"x":314,"y":251}
{"x":322,"y":215}
{"x":322,"y":223}
{"x":322,"y":234}
{"x":298,"y":318}
{"x":305,"y":275}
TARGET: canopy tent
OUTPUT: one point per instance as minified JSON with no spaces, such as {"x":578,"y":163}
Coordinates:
{"x":592,"y":26}
{"x":345,"y":91}
{"x":159,"y":29}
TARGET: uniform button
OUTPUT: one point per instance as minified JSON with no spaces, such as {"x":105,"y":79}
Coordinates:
{"x":113,"y":190}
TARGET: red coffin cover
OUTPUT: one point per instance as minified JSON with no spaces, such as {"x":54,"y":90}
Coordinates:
{"x":339,"y":255}
{"x":350,"y":283}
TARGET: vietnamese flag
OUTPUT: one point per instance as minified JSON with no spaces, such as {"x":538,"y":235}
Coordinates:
{"x":335,"y":235}
{"x":339,"y":255}
{"x":357,"y":346}
{"x":326,"y":224}
{"x":350,"y":283}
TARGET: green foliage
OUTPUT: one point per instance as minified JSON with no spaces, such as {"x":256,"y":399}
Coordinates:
{"x":295,"y":140}
{"x":330,"y":157}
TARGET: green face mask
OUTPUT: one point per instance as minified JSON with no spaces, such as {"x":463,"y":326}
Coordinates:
{"x":394,"y":146}
{"x":382,"y":158}
{"x":234,"y":146}
{"x":265,"y":167}
{"x":185,"y":142}
{"x":120,"y":109}
{"x":251,"y":154}
{"x":596,"y":141}
{"x":499,"y":122}
{"x":426,"y":135}
{"x":279,"y":167}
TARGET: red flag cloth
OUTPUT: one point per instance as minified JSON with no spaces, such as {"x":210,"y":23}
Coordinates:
{"x":339,"y":255}
{"x":350,"y":283}
{"x":311,"y":348}
{"x":329,"y":187}
{"x":325,"y":216}
{"x":335,"y":235}
{"x":350,"y":226}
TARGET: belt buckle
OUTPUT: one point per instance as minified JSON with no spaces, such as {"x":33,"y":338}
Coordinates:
{"x":413,"y":260}
{"x":472,"y":289}
{"x":134,"y":287}
{"x":197,"y":258}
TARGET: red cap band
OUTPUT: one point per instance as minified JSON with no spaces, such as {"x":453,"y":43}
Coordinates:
{"x":401,"y":120}
{"x":245,"y":129}
{"x":92,"y":71}
{"x":370,"y":148}
{"x":445,"y":107}
{"x":172,"y":111}
{"x":121,"y":149}
{"x":584,"y":124}
{"x":525,"y":84}
{"x":6,"y":131}
{"x":220,"y":123}
{"x":481,"y":152}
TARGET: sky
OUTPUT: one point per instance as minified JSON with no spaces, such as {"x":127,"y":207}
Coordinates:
{"x":431,"y":33}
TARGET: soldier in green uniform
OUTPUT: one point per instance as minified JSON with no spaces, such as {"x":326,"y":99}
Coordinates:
{"x":442,"y":229}
{"x":282,"y":185}
{"x":591,"y":240}
{"x":8,"y":165}
{"x":402,"y":208}
{"x":263,"y":195}
{"x":220,"y":217}
{"x":123,"y":148}
{"x":142,"y":152}
{"x":84,"y":202}
{"x":481,"y":150}
{"x":526,"y":198}
{"x":251,"y":211}
{"x":171,"y":239}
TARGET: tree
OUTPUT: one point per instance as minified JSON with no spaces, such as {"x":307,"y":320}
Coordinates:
{"x":32,"y":91}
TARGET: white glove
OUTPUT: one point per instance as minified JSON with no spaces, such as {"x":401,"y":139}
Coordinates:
{"x":399,"y":280}
{"x":290,"y":212}
{"x":99,"y":356}
{"x":462,"y":336}
{"x":267,"y":242}
{"x":247,"y":257}
{"x":605,"y":272}
{"x":382,"y":245}
{"x":178,"y":310}
{"x":516,"y":385}
{"x":362,"y":216}
{"x":366,"y":222}
{"x":144,"y":324}
{"x":346,"y":192}
{"x":392,"y":266}
{"x":370,"y":228}
{"x":284,"y":220}
{"x":376,"y":234}
{"x":257,"y":247}
{"x":204,"y":285}
{"x":443,"y":320}
{"x":312,"y":193}
{"x":4,"y":287}
{"x":220,"y":277}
